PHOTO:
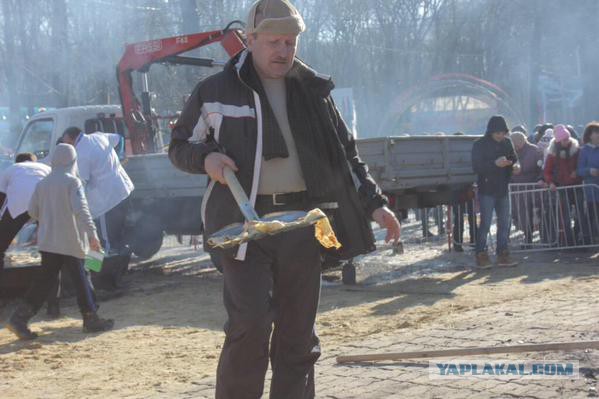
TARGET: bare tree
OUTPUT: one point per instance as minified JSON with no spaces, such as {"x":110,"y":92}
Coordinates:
{"x":63,"y":52}
{"x":61,"y":71}
{"x":14,"y":100}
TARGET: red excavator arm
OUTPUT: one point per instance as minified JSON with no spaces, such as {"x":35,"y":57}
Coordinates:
{"x":140,"y":56}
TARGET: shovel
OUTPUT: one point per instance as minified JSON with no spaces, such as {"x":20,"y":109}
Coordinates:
{"x":239,"y":233}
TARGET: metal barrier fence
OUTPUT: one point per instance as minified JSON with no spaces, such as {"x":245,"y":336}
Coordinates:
{"x":541,"y":218}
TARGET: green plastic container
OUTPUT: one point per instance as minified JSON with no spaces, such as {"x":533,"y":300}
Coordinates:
{"x":94,"y":260}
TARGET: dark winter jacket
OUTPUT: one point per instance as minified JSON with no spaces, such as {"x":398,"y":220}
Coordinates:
{"x":531,"y":162}
{"x":492,"y":180}
{"x":560,"y":163}
{"x":589,"y":158}
{"x":225,"y":113}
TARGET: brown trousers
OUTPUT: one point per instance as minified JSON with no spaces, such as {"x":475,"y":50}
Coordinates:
{"x":278,"y":284}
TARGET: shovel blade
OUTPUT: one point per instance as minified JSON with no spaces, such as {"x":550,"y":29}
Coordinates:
{"x":226,"y":233}
{"x":236,"y":234}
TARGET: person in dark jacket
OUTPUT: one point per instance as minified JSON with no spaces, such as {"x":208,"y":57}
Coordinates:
{"x":588,"y":169}
{"x":463,"y":204}
{"x":271,"y":119}
{"x":493,"y":160}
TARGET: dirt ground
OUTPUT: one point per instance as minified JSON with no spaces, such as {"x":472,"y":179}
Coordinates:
{"x":169,"y":320}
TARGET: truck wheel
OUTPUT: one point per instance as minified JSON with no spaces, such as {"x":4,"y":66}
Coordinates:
{"x":145,"y":240}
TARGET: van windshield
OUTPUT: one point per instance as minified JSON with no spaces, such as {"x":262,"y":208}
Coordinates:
{"x":37,"y":138}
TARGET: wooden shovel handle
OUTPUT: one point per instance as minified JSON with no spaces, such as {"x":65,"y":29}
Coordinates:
{"x":239,"y":194}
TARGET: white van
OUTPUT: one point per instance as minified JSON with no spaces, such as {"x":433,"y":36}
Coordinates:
{"x":45,"y":128}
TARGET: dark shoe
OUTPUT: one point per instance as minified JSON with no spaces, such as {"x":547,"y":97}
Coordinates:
{"x":93,"y":323}
{"x":53,"y":309}
{"x":483,"y":261}
{"x":17,"y":324}
{"x":504,"y":260}
{"x":458,"y":248}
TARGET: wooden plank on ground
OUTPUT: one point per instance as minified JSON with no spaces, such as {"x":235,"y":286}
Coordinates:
{"x":556,"y":346}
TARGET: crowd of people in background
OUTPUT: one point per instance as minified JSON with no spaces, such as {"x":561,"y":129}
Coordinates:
{"x":548,"y":181}
{"x":549,"y":185}
{"x":568,"y":166}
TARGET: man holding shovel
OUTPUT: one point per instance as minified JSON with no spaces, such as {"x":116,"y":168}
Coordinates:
{"x":270,"y":118}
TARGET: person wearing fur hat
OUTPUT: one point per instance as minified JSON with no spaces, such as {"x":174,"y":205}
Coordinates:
{"x":560,"y":171}
{"x":494,"y":160}
{"x":65,"y":224}
{"x":270,"y":118}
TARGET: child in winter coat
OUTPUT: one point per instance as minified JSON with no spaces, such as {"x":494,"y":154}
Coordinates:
{"x":60,"y":207}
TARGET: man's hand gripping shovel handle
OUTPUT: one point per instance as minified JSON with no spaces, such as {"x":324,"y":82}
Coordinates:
{"x":239,"y":194}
